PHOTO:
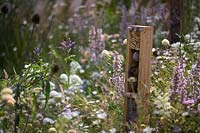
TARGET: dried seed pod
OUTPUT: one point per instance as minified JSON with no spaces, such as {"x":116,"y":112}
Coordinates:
{"x":36,"y":19}
{"x":6,"y":8}
{"x":55,"y":68}
{"x":136,"y":56}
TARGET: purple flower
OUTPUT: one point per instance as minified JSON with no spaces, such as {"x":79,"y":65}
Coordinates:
{"x":195,"y":80}
{"x":118,"y":77}
{"x":188,"y":102}
{"x":198,"y":109}
{"x":37,"y":51}
{"x":66,"y":44}
{"x":179,"y":82}
{"x":96,"y":43}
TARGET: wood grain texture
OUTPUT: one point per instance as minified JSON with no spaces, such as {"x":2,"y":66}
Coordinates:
{"x":146,"y":40}
{"x":144,"y":47}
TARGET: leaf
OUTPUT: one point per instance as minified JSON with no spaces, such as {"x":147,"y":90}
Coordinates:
{"x":34,"y":106}
{"x":5,"y":74}
{"x":47,"y":92}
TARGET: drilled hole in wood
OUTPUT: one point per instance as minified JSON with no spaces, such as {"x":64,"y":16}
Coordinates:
{"x":132,"y":110}
{"x":135,"y":40}
{"x":138,"y":69}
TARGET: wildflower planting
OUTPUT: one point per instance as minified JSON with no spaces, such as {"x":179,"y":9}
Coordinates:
{"x":82,"y":67}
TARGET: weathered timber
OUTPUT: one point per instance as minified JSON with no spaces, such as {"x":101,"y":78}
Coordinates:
{"x":138,"y":73}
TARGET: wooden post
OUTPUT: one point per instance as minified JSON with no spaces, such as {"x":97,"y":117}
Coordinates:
{"x":138,"y":73}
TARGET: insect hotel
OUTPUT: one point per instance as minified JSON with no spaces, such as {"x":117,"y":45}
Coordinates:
{"x":138,"y":72}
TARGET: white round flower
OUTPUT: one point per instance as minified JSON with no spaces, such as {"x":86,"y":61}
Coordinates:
{"x":101,"y":115}
{"x":51,"y":102}
{"x":48,"y":121}
{"x":153,"y":49}
{"x":74,"y":67}
{"x":58,"y":96}
{"x":125,"y":41}
{"x":94,"y":92}
{"x":28,"y":65}
{"x":52,"y":85}
{"x":82,"y":71}
{"x":121,"y":57}
{"x":176,"y":45}
{"x":165,"y":42}
{"x":187,"y":37}
{"x":96,"y":122}
{"x":185,"y":114}
{"x":197,"y":44}
{"x":75,"y":113}
{"x":63,"y":78}
{"x":95,"y":75}
{"x":113,"y":130}
{"x":148,"y":130}
{"x":39,"y":116}
{"x":53,"y":93}
{"x":75,"y":80}
{"x":41,"y":97}
{"x":52,"y":130}
{"x":105,"y":54}
{"x":67,"y":114}
{"x":197,"y":19}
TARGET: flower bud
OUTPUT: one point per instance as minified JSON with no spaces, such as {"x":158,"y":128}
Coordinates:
{"x":6,"y":97}
{"x":105,"y":54}
{"x":6,"y":91}
{"x":125,"y":42}
{"x":36,"y":19}
{"x":187,"y":36}
{"x":165,"y":42}
{"x":52,"y":130}
{"x":72,"y":131}
{"x":55,"y":68}
{"x":11,"y":102}
{"x":63,"y":78}
{"x":5,"y":8}
{"x":105,"y":37}
{"x":87,"y":54}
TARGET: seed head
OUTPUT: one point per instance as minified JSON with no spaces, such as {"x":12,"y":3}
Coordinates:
{"x":5,"y":8}
{"x":36,"y":19}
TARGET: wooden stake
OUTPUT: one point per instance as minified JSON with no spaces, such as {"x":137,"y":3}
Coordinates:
{"x":138,"y":73}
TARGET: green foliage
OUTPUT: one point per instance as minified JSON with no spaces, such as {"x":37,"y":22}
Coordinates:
{"x":64,"y":89}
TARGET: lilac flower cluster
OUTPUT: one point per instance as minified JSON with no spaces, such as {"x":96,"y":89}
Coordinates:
{"x":37,"y":51}
{"x":118,"y":77}
{"x":96,"y":43}
{"x":66,"y":44}
{"x":195,"y":80}
{"x":186,"y":88}
{"x":179,"y":82}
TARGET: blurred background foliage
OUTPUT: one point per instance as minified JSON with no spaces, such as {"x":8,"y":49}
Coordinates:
{"x":60,"y":19}
{"x":32,"y":32}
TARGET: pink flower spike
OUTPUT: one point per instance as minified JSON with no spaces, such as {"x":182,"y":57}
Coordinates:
{"x":188,"y":102}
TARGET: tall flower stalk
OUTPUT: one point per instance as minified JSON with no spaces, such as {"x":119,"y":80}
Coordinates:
{"x":179,"y":83}
{"x":195,"y":80}
{"x":118,"y":76}
{"x":96,"y":44}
